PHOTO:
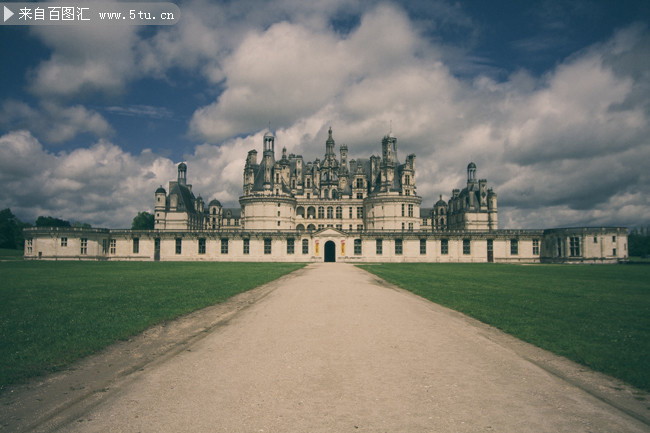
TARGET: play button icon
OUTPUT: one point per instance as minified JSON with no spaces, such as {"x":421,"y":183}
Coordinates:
{"x":8,"y":13}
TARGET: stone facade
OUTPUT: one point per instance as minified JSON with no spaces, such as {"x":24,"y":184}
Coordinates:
{"x":363,"y":210}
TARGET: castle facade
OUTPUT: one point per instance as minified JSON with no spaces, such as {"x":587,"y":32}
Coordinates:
{"x":333,"y":209}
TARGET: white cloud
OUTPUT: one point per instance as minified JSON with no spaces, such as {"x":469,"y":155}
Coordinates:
{"x":101,"y":185}
{"x":557,"y":147}
{"x":84,"y":59}
{"x":567,"y":147}
{"x":54,"y":122}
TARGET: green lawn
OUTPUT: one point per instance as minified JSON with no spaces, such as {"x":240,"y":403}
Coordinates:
{"x":596,"y":315}
{"x":52,"y":313}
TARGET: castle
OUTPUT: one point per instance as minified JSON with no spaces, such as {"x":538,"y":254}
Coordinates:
{"x":330,"y":210}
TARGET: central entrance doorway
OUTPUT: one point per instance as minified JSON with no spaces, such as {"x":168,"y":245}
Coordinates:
{"x":330,"y":251}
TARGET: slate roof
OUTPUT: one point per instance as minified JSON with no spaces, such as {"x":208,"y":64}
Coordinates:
{"x":185,"y":197}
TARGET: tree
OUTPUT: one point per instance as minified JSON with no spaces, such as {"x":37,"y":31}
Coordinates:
{"x":49,"y":221}
{"x":143,"y":221}
{"x":11,"y":230}
{"x":639,"y":242}
{"x":80,"y":225}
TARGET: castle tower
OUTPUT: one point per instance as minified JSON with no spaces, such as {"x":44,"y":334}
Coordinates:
{"x":329,"y":146}
{"x":471,"y":173}
{"x":268,"y":159}
{"x":182,"y":174}
{"x":269,"y":143}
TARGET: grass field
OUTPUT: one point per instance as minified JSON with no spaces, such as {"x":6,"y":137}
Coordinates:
{"x":52,"y":313}
{"x":597,"y":315}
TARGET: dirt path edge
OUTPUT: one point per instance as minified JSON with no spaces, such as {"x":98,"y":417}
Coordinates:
{"x":614,"y":392}
{"x":46,"y":403}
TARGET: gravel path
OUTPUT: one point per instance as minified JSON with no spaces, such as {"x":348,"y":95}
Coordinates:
{"x":334,"y":350}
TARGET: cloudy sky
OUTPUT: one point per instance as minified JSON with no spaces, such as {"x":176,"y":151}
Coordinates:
{"x":551,"y":100}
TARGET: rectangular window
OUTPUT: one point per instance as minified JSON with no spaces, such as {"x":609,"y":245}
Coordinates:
{"x":136,"y":245}
{"x":423,"y":246}
{"x":360,"y":212}
{"x":113,"y":245}
{"x":398,"y":247}
{"x":321,"y":226}
{"x":614,"y":252}
{"x":380,"y":247}
{"x":514,"y":247}
{"x":410,"y":227}
{"x":84,"y":246}
{"x":613,"y":238}
{"x":179,"y":248}
{"x":30,"y":245}
{"x":595,"y":239}
{"x":467,"y":249}
{"x":104,"y":246}
{"x":247,"y":246}
{"x":201,"y":245}
{"x":359,"y":227}
{"x":267,"y":246}
{"x":64,"y":242}
{"x":339,"y":226}
{"x":339,"y":212}
{"x":357,"y":247}
{"x":402,"y":209}
{"x":290,"y":246}
{"x":321,"y":212}
{"x":559,"y":247}
{"x":536,"y":247}
{"x":224,"y":246}
{"x":350,"y":213}
{"x":444,"y":246}
{"x":305,"y":246}
{"x":410,"y":210}
{"x":574,"y":246}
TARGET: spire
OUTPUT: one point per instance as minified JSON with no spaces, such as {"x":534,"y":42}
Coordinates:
{"x":329,"y":145}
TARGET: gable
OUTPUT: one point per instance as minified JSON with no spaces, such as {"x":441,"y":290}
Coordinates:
{"x":329,"y":231}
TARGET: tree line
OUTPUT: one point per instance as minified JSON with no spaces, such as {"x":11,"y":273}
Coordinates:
{"x":11,"y":228}
{"x":638,"y":241}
